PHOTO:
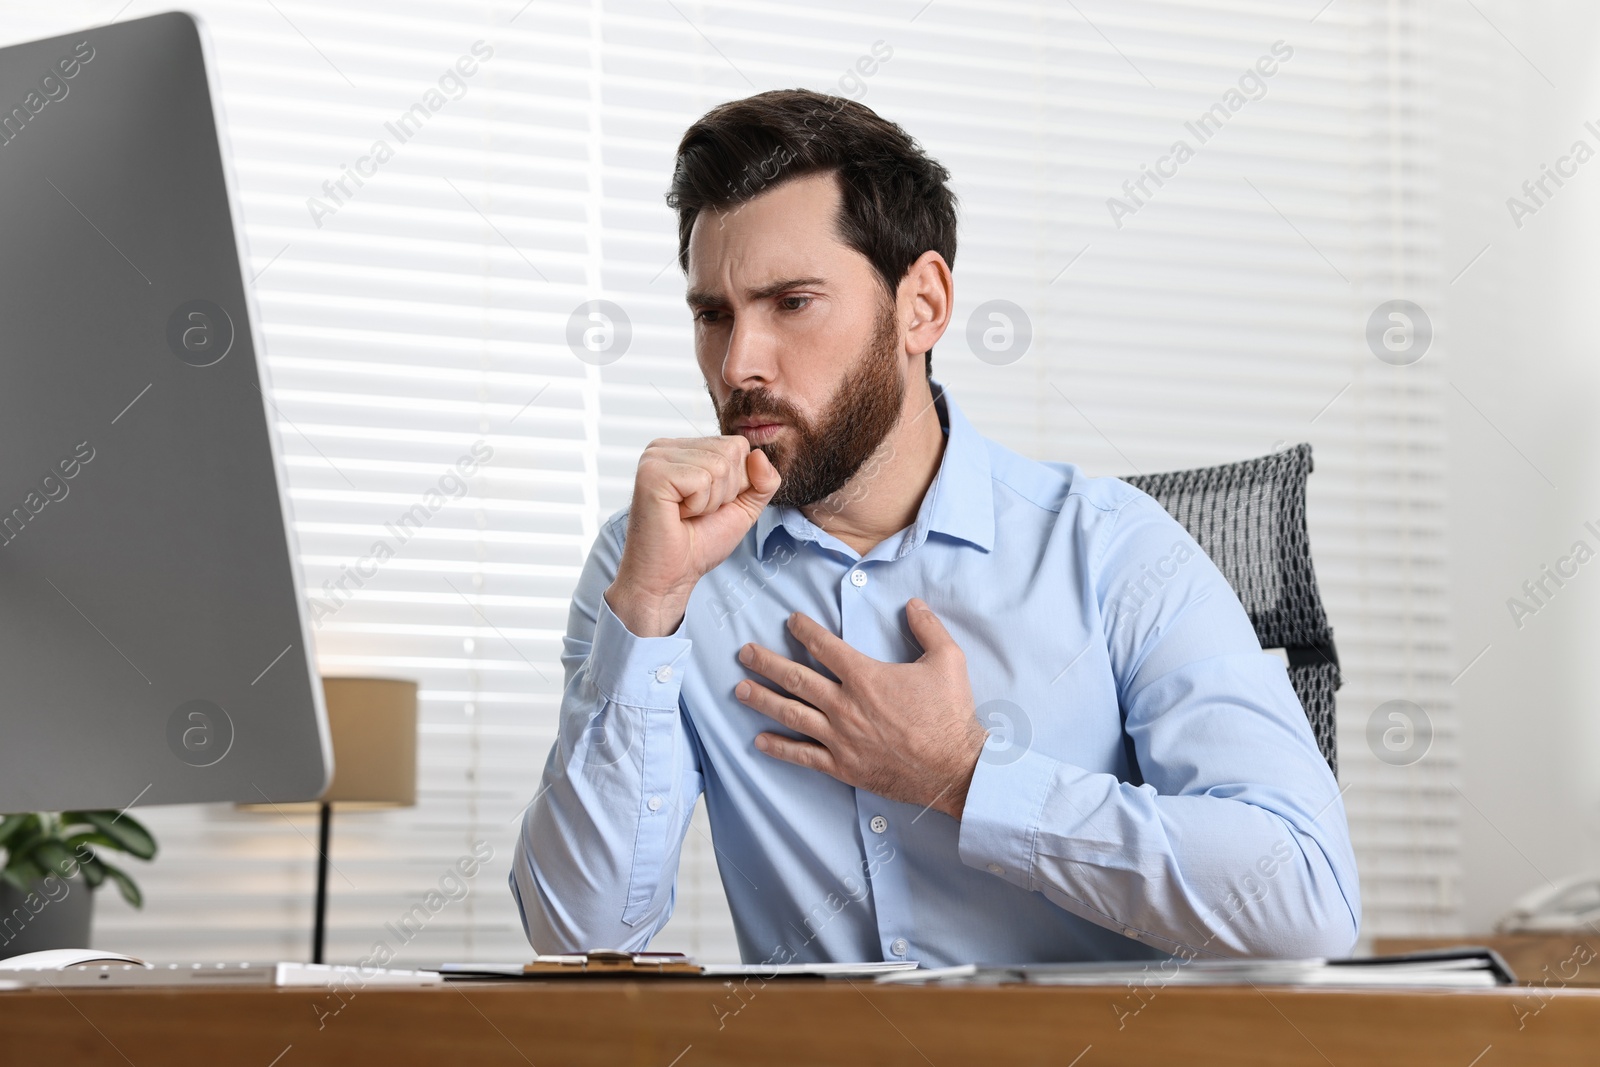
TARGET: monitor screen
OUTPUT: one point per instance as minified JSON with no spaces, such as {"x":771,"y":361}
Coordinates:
{"x":153,"y":637}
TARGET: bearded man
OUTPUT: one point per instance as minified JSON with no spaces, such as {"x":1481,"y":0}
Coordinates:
{"x":945,"y":703}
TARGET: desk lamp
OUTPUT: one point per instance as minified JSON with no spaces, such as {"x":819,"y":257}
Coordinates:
{"x":373,"y":722}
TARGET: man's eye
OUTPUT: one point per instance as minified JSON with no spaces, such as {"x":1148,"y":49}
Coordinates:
{"x":707,"y":316}
{"x":794,"y":303}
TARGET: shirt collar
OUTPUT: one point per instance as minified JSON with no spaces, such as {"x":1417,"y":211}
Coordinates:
{"x":959,"y":503}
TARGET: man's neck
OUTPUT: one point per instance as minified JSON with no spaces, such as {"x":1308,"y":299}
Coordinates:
{"x":886,"y":492}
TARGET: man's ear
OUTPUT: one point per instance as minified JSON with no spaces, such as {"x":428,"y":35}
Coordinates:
{"x":925,"y":301}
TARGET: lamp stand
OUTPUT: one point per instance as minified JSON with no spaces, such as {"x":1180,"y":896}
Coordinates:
{"x":325,"y":821}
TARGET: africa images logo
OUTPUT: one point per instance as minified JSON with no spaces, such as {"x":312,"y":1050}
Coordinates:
{"x":52,"y":488}
{"x":452,"y":85}
{"x":53,"y":87}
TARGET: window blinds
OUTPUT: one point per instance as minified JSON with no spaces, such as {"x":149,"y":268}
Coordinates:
{"x":417,"y":301}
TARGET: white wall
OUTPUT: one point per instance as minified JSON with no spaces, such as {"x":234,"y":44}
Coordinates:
{"x":1517,"y":334}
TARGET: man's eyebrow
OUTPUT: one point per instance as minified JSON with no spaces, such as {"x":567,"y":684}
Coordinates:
{"x":707,"y":298}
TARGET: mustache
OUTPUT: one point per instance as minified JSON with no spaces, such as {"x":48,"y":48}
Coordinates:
{"x":750,"y":403}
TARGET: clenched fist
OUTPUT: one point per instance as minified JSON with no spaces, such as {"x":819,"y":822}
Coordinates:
{"x":694,"y":499}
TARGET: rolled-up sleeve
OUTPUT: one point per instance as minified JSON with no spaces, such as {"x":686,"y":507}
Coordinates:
{"x":597,"y":856}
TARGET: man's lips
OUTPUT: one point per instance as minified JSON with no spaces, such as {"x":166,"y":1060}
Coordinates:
{"x":758,"y":431}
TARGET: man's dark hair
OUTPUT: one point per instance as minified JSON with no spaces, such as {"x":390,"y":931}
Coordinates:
{"x":895,"y":204}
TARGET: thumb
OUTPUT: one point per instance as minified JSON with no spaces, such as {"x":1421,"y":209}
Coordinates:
{"x":734,"y":518}
{"x":764,"y":481}
{"x":928,"y":630}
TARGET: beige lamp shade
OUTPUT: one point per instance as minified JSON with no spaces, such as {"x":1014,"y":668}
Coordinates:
{"x":374,"y":726}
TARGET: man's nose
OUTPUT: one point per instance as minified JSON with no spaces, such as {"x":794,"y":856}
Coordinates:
{"x":751,"y":357}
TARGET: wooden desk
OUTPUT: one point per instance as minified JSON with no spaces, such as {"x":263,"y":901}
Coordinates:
{"x":689,"y":1023}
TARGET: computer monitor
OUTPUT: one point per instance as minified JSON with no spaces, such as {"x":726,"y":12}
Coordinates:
{"x":154,"y":646}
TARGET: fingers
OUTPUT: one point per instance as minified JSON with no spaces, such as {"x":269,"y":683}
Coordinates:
{"x":801,"y":681}
{"x":928,"y":630}
{"x":800,"y":753}
{"x":699,"y":475}
{"x":792,"y":713}
{"x":829,"y":649}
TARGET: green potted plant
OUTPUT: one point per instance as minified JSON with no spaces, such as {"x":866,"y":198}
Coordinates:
{"x":52,"y":866}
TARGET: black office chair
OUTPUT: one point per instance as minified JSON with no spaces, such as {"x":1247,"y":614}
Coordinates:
{"x":1250,"y":517}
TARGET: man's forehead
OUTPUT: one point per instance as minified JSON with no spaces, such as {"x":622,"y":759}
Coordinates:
{"x":788,"y":231}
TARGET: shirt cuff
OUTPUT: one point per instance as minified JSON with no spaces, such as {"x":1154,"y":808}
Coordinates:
{"x":639,"y":672}
{"x":1000,"y":822}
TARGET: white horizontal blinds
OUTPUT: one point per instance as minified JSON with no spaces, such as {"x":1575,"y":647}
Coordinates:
{"x":1385,"y":504}
{"x":417,"y":333}
{"x":494,"y":209}
{"x":409,"y":327}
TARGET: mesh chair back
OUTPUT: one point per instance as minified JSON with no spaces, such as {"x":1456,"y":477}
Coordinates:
{"x":1250,"y":518}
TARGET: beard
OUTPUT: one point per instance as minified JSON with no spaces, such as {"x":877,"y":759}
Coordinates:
{"x":822,"y":456}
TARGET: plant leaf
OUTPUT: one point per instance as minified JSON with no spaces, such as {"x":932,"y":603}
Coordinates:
{"x":14,"y":876}
{"x":55,"y":857}
{"x":130,"y":891}
{"x":13,"y":823}
{"x":23,"y":843}
{"x":95,"y":872}
{"x":90,"y":837}
{"x":22,"y":872}
{"x":128,"y":833}
{"x":70,"y":819}
{"x":28,"y":827}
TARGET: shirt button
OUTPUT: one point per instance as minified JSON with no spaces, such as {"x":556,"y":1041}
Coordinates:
{"x":1129,"y":931}
{"x":900,"y":947}
{"x":995,"y":868}
{"x":858,"y":578}
{"x":654,"y":804}
{"x":664,"y":673}
{"x":879,"y":824}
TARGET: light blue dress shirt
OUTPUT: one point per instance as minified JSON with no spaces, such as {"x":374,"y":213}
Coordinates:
{"x":1150,"y":787}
